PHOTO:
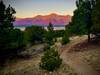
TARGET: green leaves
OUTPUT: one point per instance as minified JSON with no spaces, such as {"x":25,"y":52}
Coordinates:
{"x":51,"y":60}
{"x":6,"y":16}
{"x":96,"y":18}
{"x":50,"y":35}
{"x":65,"y":38}
{"x":82,"y":21}
{"x":33,"y":34}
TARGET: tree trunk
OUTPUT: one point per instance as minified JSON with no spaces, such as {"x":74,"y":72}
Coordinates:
{"x":89,"y":38}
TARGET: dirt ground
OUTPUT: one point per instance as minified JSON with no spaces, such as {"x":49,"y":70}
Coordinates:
{"x":79,"y":58}
{"x":31,"y":66}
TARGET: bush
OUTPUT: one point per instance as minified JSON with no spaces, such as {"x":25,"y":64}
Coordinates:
{"x":59,"y":33}
{"x":49,"y":36}
{"x":17,"y":39}
{"x":65,"y":40}
{"x":51,"y":60}
{"x":33,"y":34}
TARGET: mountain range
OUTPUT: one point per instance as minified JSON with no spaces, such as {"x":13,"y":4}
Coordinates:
{"x":55,"y":19}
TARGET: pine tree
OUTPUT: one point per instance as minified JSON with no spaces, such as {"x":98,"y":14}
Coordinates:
{"x":81,"y":21}
{"x":96,"y":18}
{"x":10,"y":16}
{"x":50,"y":34}
{"x":6,"y":24}
{"x":6,"y":27}
{"x":2,"y":13}
{"x":65,"y":38}
{"x":78,"y":24}
{"x":89,"y":4}
{"x":50,"y":27}
{"x":6,"y":16}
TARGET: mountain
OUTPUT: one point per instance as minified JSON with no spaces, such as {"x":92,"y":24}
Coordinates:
{"x":55,"y":19}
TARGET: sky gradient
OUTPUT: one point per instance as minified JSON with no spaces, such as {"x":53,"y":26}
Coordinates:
{"x":31,"y":8}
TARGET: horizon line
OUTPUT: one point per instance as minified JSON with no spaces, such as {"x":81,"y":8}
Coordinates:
{"x":45,"y":15}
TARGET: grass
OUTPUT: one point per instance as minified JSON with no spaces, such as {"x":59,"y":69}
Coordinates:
{"x":31,"y":67}
{"x":34,"y":70}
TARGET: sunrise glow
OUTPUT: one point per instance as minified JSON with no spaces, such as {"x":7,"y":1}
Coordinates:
{"x":31,"y":8}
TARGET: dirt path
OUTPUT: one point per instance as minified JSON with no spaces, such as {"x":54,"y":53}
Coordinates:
{"x":74,"y":59}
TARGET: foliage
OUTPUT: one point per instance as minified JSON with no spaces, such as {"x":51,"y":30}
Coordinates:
{"x":10,"y":39}
{"x":6,"y":25}
{"x":78,"y":24}
{"x":68,"y":29}
{"x":51,"y":60}
{"x":96,"y":18}
{"x":88,"y":6}
{"x":59,"y":33}
{"x":16,"y":38}
{"x":34,"y":34}
{"x":6,"y":16}
{"x":65,"y":38}
{"x":81,"y":21}
{"x":50,"y":36}
{"x":50,"y":27}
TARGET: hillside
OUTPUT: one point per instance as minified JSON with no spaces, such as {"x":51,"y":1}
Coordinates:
{"x":82,"y":56}
{"x":76,"y":60}
{"x":44,"y":20}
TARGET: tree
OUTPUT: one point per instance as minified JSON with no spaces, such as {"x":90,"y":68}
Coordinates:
{"x":16,"y":38}
{"x":65,"y":38}
{"x":96,"y":18}
{"x":2,"y":13}
{"x":6,"y":24}
{"x":49,"y":37}
{"x":34,"y":34}
{"x":89,"y":4}
{"x":50,"y":60}
{"x":50,"y":27}
{"x":59,"y":33}
{"x":6,"y":16}
{"x":78,"y":24}
{"x":10,"y":17}
{"x":81,"y":21}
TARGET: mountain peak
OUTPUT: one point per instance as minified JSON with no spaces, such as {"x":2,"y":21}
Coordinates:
{"x":44,"y":20}
{"x":53,"y":14}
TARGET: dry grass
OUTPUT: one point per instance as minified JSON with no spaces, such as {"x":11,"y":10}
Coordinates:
{"x":91,"y":55}
{"x":93,"y":58}
{"x":31,"y":67}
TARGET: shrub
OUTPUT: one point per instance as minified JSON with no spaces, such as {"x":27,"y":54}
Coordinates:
{"x":49,"y":36}
{"x":65,"y":40}
{"x":51,"y":60}
{"x":16,"y":37}
{"x":33,"y":34}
